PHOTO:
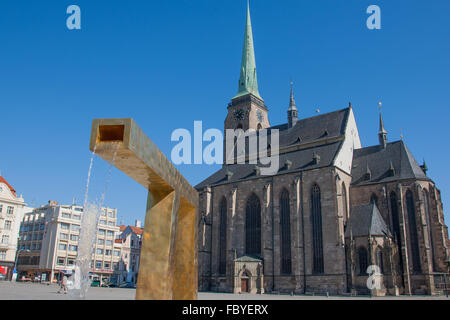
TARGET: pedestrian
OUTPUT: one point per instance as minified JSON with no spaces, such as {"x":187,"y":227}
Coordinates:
{"x":64,"y":284}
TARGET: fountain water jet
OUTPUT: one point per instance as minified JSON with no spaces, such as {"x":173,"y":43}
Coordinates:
{"x":79,"y":285}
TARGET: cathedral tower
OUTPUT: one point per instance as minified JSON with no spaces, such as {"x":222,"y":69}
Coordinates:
{"x":247,"y":109}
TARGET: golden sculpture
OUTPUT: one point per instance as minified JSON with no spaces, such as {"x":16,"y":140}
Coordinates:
{"x":168,"y":261}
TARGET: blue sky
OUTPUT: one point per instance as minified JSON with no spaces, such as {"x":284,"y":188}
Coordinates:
{"x":168,"y":63}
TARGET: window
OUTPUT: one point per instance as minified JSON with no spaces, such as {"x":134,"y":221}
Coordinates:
{"x":10,"y":210}
{"x":102,"y":222}
{"x":61,"y":261}
{"x":65,"y":215}
{"x":98,"y":264}
{"x":109,"y":242}
{"x":380,"y":262}
{"x":253,"y":226}
{"x":99,"y":251}
{"x":414,"y":239}
{"x":2,"y":255}
{"x":344,"y":201}
{"x":73,"y":248}
{"x":5,"y":239}
{"x":75,"y":227}
{"x":70,"y":262}
{"x":42,"y":226}
{"x":429,"y":227}
{"x":64,"y":226}
{"x":107,"y":252}
{"x":396,"y":229}
{"x":76,"y":217}
{"x":63,"y":236}
{"x":374,"y":199}
{"x":74,"y":237}
{"x":111,"y":223}
{"x":62,"y":246}
{"x":101,"y":232}
{"x":107,"y":265}
{"x":316,"y":213}
{"x":116,"y":253}
{"x":1,"y":208}
{"x":286,"y":267}
{"x":223,"y":236}
{"x":101,"y":241}
{"x":110,"y":234}
{"x":7,"y":225}
{"x":363,"y":263}
{"x":111,"y":214}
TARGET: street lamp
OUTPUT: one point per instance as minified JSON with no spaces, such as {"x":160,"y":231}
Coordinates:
{"x":15,"y":263}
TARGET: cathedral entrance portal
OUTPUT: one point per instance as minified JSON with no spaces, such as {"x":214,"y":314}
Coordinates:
{"x":244,"y":285}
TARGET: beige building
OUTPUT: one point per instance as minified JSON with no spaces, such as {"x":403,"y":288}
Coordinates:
{"x":131,"y":239}
{"x":49,"y":238}
{"x":11,"y":213}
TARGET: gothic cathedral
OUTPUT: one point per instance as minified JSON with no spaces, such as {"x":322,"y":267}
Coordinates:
{"x":333,"y":210}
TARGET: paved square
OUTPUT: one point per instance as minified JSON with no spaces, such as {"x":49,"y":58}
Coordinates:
{"x":38,"y":291}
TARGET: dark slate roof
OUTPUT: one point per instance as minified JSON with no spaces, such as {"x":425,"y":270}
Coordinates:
{"x":366,"y":220}
{"x":301,"y":160}
{"x":379,"y":160}
{"x":325,"y":125}
{"x":310,"y":130}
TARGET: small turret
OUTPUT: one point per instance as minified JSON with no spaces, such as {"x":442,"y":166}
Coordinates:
{"x":382,"y":134}
{"x":292,"y":111}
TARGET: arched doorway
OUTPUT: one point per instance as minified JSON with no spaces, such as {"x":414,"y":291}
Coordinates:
{"x":245,"y":282}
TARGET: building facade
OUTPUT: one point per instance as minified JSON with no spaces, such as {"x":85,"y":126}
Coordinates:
{"x":11,"y":212}
{"x":333,"y":209}
{"x":49,"y":238}
{"x":131,"y":239}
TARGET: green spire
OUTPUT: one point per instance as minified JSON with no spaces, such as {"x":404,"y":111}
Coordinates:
{"x":248,"y":82}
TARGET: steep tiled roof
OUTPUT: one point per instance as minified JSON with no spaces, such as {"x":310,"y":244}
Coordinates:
{"x":136,"y":230}
{"x":366,"y":220}
{"x":380,"y":161}
{"x":3,"y":180}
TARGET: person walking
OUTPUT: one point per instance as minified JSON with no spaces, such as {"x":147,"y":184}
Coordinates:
{"x":63,"y":285}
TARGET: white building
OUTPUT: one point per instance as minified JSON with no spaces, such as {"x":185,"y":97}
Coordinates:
{"x":49,"y":238}
{"x":131,"y":239}
{"x":11,"y":213}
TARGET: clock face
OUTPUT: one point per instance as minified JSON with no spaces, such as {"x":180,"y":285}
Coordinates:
{"x":238,"y":114}
{"x":259,"y":115}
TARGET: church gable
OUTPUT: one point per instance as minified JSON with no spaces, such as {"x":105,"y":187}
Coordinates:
{"x":376,"y":164}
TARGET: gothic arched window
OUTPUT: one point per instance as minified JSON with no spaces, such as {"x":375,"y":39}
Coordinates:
{"x":363,"y":260}
{"x":430,"y":226}
{"x":374,"y":199}
{"x":344,"y":201}
{"x":380,"y":261}
{"x":253,"y":226}
{"x":396,"y":229}
{"x":223,"y":236}
{"x":414,"y":238}
{"x":316,"y":217}
{"x":285,"y":233}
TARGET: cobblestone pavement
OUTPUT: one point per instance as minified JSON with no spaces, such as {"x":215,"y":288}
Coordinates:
{"x":38,"y":291}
